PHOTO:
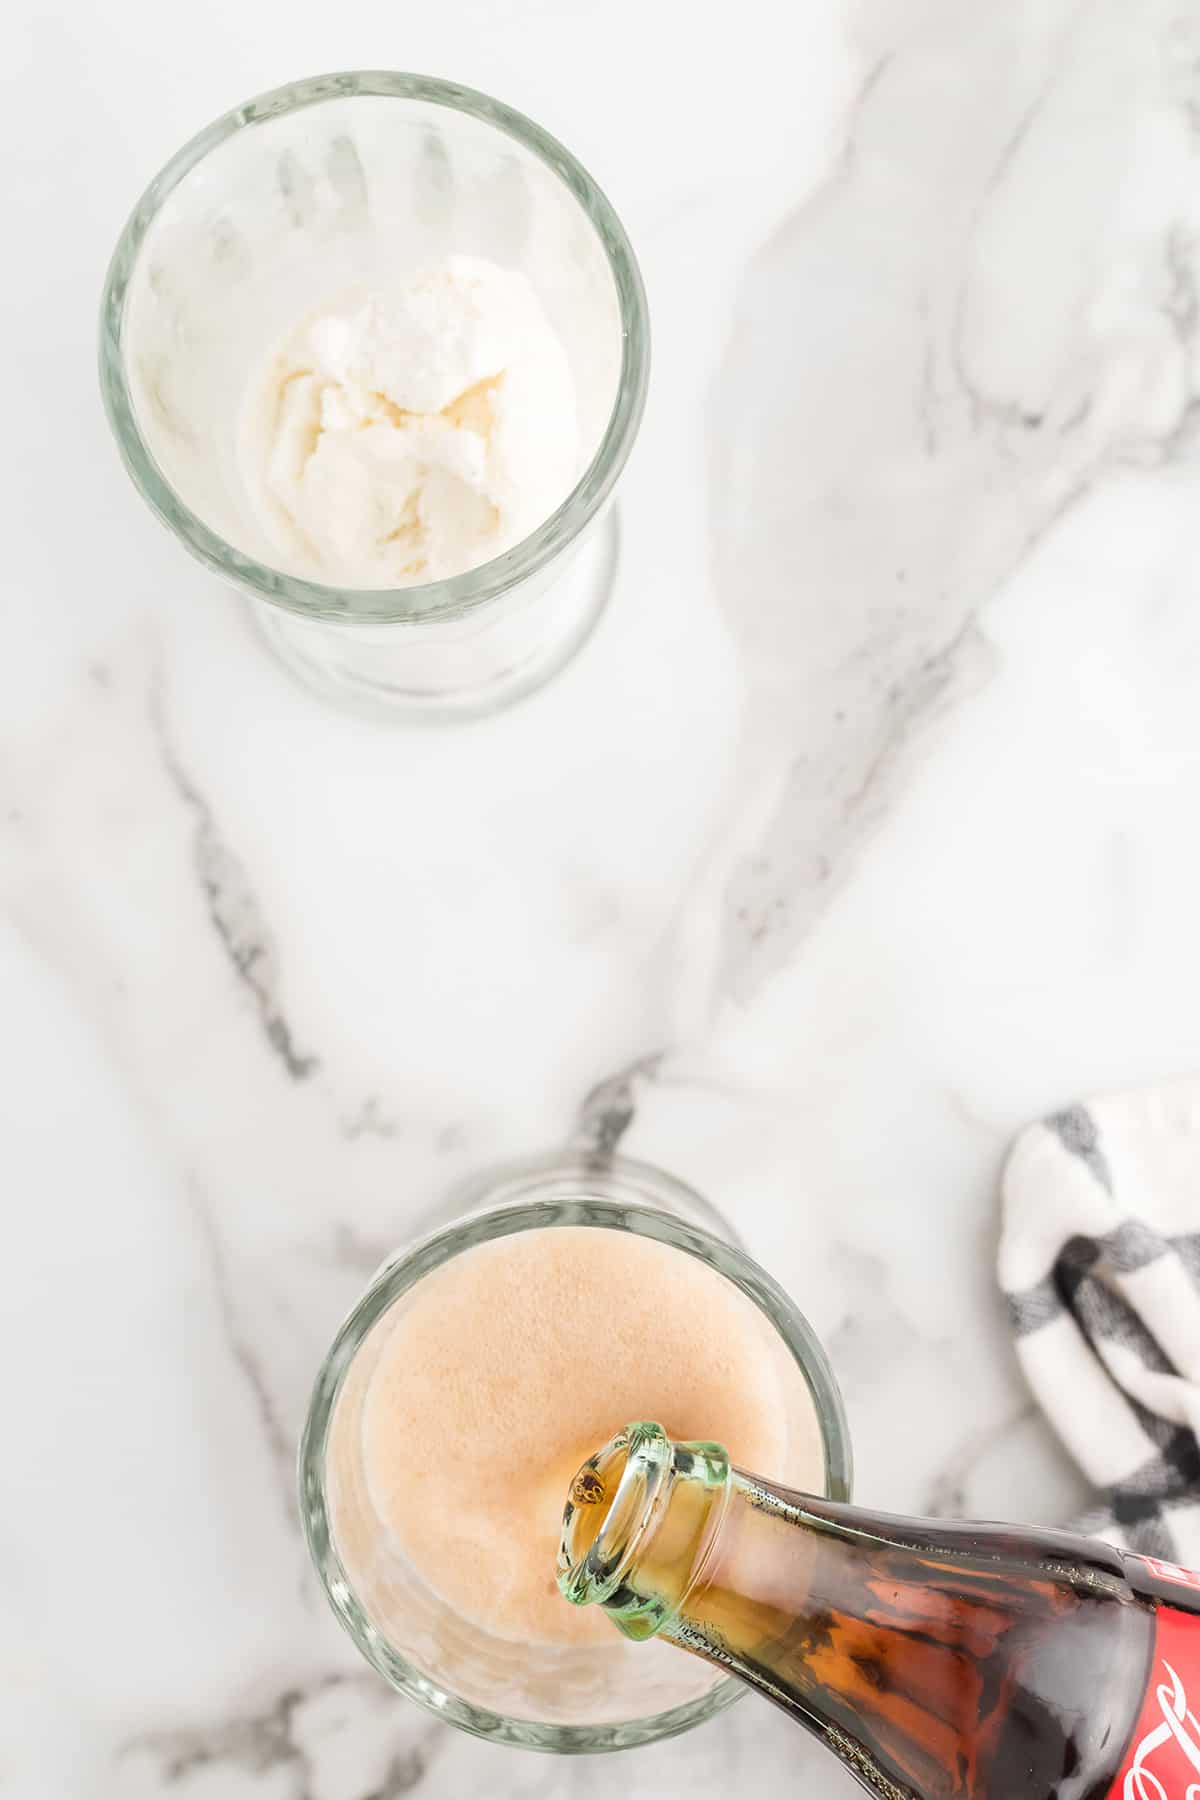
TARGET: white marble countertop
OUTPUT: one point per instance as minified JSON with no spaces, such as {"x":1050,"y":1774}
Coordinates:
{"x":863,"y":831}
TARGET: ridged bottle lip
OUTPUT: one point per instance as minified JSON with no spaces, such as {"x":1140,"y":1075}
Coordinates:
{"x":629,"y":1477}
{"x":627,"y":1487}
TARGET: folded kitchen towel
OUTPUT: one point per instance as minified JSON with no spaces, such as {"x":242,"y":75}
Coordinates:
{"x":1100,"y":1264}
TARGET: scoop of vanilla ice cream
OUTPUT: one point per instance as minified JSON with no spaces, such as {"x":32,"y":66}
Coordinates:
{"x":409,"y":434}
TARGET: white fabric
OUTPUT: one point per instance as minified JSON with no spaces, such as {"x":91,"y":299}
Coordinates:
{"x":1100,"y":1262}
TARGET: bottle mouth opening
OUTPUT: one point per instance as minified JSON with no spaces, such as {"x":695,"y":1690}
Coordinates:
{"x":610,"y":1509}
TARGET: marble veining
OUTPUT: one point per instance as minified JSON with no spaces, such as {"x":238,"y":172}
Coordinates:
{"x":280,"y":1441}
{"x":858,"y":835}
{"x":609,"y":1109}
{"x":963,"y":406}
{"x":235,"y":913}
{"x":293,"y":1741}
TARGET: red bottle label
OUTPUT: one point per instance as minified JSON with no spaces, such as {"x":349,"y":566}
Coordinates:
{"x":1162,"y":1761}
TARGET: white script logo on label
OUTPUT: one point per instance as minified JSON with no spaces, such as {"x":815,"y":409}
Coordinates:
{"x":1179,"y":1724}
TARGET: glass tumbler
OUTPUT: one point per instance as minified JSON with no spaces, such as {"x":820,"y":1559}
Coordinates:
{"x":334,"y":186}
{"x":557,"y":1698}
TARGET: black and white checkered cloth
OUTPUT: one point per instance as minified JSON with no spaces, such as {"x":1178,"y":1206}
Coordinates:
{"x":1100,"y":1264}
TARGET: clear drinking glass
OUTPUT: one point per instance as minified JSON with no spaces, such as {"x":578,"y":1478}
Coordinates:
{"x":313,"y":191}
{"x":566,"y":1699}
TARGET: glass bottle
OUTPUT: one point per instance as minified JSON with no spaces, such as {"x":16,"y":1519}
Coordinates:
{"x":943,"y":1661}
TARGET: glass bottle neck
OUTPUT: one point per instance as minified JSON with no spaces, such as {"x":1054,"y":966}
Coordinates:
{"x":674,"y":1542}
{"x":951,"y":1662}
{"x":640,"y":1526}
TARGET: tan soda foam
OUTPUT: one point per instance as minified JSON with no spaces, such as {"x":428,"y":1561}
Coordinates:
{"x":501,"y":1371}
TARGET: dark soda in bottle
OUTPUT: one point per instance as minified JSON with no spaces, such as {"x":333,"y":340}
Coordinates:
{"x":939,"y":1661}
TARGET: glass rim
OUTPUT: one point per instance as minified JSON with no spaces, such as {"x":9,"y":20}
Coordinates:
{"x":402,"y":1273}
{"x":425,"y":601}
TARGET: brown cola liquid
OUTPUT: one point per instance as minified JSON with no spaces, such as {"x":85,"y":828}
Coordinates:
{"x":949,"y":1662}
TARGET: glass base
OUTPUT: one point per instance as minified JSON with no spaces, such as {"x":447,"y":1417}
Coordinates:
{"x":450,"y":669}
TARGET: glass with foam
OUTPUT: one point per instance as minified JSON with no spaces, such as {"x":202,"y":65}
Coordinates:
{"x":446,"y":1420}
{"x":331,"y":186}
